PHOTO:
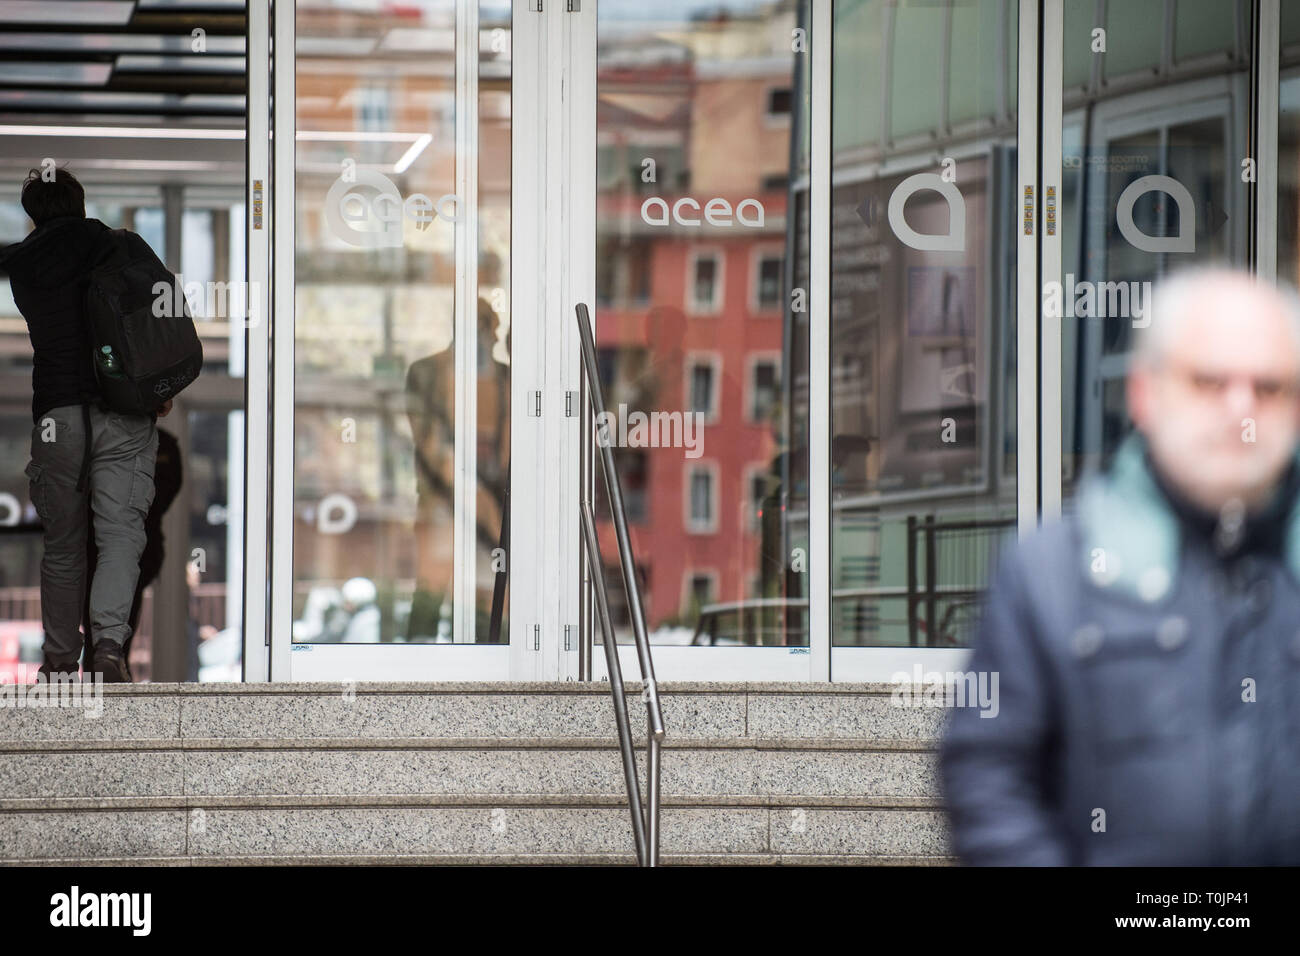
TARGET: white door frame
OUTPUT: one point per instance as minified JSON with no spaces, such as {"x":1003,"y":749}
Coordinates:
{"x":576,"y":234}
{"x":257,"y":262}
{"x":463,"y":660}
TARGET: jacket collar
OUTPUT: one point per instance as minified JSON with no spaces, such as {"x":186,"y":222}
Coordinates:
{"x":1130,"y":535}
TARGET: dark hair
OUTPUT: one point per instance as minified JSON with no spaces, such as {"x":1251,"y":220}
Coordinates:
{"x":48,"y":200}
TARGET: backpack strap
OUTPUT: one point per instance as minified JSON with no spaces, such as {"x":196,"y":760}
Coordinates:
{"x":85,"y":453}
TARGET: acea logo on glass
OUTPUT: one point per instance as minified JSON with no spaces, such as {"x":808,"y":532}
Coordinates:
{"x":364,"y":208}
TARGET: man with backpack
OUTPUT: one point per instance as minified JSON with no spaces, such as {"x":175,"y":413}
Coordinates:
{"x":83,"y":290}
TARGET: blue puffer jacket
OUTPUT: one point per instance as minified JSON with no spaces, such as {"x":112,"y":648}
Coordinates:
{"x":1149,"y":692}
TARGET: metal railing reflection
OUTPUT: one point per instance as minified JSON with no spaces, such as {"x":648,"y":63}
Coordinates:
{"x":955,"y":559}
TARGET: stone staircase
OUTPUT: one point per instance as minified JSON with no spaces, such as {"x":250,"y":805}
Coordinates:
{"x":468,"y":773}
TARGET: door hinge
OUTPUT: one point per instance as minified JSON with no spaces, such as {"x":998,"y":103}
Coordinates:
{"x":567,"y":627}
{"x":575,"y":6}
{"x":535,"y":403}
{"x":535,"y":6}
{"x":537,"y":637}
{"x":570,"y":404}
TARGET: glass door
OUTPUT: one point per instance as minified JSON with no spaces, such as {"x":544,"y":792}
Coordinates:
{"x":1149,"y":106}
{"x":809,"y":282}
{"x":391,"y":351}
{"x":931,"y":443}
{"x":699,"y":132}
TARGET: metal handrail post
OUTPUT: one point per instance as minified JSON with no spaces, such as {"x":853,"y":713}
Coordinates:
{"x":615,"y":493}
{"x":592,"y":546}
{"x":588,"y":569}
{"x":652,"y":781}
{"x":595,"y":404}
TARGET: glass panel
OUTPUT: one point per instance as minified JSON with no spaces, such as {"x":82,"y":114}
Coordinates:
{"x":972,"y":86}
{"x":701,"y":232}
{"x":915,"y":98}
{"x":1288,"y":179}
{"x":922,"y":336}
{"x":1076,"y":46}
{"x":376,"y":376}
{"x":1203,"y":27}
{"x":1135,"y":31}
{"x":200,"y":453}
{"x":859,"y":41}
{"x":492,"y":375}
{"x":1188,"y":130}
{"x":1290,"y":26}
{"x":1288,"y":148}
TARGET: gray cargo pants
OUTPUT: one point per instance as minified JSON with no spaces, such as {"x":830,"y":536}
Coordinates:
{"x":123,"y":450}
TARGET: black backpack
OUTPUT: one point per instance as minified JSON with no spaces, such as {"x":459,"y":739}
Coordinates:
{"x":150,"y":331}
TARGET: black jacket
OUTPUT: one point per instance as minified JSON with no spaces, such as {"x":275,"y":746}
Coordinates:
{"x":1149,"y":694}
{"x":48,"y":273}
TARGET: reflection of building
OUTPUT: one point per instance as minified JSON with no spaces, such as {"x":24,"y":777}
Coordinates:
{"x":690,"y":314}
{"x":375,"y":349}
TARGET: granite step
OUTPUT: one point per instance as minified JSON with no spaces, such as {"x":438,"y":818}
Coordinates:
{"x":466,"y":774}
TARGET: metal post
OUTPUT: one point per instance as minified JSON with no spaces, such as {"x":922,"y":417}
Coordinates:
{"x":651,"y":690}
{"x":587,"y":570}
{"x":592,"y":547}
{"x":911,"y":580}
{"x":931,"y":601}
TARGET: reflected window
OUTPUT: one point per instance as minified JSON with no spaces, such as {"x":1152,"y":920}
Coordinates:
{"x":764,"y":390}
{"x":706,"y":283}
{"x":767,"y":283}
{"x":701,"y":515}
{"x":779,"y":101}
{"x":700,"y":587}
{"x":758,"y":482}
{"x":702,"y":388}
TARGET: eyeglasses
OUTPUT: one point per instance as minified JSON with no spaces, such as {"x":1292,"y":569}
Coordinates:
{"x":1214,"y":385}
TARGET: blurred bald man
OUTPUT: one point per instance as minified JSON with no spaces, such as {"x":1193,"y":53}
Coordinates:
{"x":1148,"y":645}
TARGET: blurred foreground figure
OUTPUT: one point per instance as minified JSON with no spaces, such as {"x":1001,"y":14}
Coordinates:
{"x":1148,"y":646}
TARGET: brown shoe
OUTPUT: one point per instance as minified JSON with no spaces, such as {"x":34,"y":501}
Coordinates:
{"x":110,"y":664}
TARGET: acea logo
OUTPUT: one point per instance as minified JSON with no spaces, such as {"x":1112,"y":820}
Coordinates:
{"x":686,"y":211}
{"x":364,"y":208}
{"x":955,"y":239}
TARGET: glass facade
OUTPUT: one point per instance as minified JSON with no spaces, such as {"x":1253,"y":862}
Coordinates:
{"x":727,"y":184}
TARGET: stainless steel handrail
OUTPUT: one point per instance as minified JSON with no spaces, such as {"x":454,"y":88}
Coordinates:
{"x":645,"y":826}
